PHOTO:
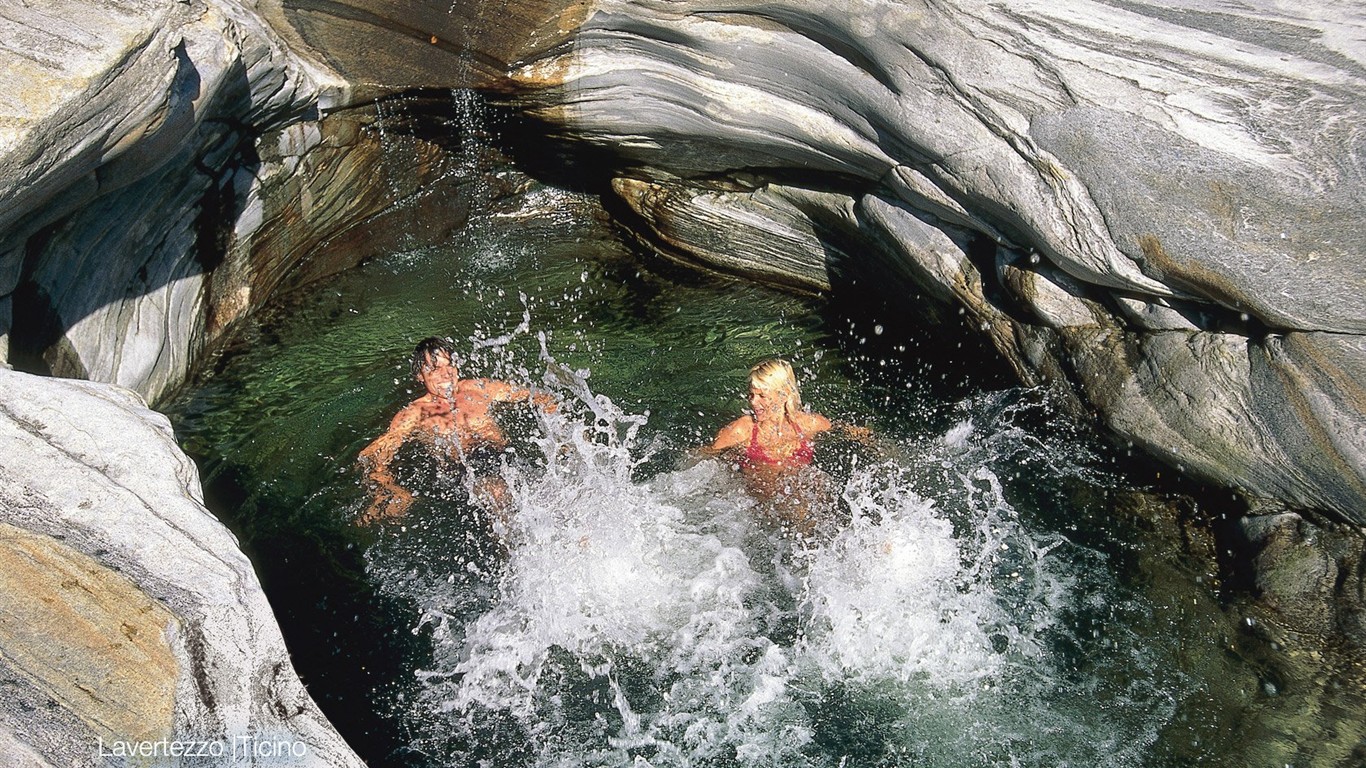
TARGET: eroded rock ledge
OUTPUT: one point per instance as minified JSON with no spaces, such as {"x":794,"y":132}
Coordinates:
{"x":1156,"y":209}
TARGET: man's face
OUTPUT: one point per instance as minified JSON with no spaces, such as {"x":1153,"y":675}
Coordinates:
{"x":439,"y":375}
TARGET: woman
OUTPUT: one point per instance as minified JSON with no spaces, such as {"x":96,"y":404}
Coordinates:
{"x":777,"y":454}
{"x":777,"y":435}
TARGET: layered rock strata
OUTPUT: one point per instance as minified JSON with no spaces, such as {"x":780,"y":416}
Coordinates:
{"x":383,"y":47}
{"x":165,"y":169}
{"x":1154,"y":208}
{"x":128,"y":614}
{"x":117,"y":159}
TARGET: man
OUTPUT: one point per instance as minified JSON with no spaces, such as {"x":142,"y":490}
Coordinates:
{"x":453,"y":419}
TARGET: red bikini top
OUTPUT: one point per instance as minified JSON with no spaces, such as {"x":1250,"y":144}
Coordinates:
{"x":755,"y":453}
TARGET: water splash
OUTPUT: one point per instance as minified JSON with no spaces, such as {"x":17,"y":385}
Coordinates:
{"x":657,"y":621}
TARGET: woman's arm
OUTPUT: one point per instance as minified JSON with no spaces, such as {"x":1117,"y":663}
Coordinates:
{"x":812,"y":423}
{"x":731,"y":435}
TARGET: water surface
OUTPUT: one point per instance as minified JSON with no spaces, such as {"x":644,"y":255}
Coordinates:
{"x":999,"y":596}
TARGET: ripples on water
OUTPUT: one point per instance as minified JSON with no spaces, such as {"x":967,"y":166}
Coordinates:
{"x":634,"y":611}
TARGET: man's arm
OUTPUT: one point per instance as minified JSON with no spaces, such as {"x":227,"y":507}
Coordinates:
{"x":376,"y":456}
{"x":391,"y":499}
{"x":506,"y":392}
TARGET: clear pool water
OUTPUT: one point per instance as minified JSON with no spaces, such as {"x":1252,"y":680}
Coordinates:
{"x":1002,"y":595}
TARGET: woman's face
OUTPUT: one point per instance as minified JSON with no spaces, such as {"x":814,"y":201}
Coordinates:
{"x":766,"y":402}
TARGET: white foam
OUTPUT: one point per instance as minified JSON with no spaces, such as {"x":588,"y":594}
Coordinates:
{"x":657,"y":622}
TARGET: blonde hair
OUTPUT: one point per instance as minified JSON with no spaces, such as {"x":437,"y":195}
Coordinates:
{"x":777,"y":375}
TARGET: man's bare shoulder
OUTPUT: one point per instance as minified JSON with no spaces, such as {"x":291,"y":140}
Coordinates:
{"x":410,"y":415}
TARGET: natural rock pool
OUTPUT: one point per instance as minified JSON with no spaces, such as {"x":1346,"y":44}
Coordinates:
{"x":1009,"y":591}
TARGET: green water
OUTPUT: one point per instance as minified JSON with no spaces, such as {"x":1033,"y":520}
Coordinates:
{"x":1057,"y":625}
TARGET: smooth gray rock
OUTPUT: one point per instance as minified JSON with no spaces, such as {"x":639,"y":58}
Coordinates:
{"x":1181,"y":185}
{"x":175,"y":178}
{"x":761,"y":235}
{"x":128,"y":501}
{"x":120,"y":129}
{"x":1308,"y":449}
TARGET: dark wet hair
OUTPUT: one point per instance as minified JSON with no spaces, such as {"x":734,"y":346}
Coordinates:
{"x":431,"y":346}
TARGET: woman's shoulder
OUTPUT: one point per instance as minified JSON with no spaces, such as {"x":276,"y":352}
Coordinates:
{"x":743,"y":424}
{"x":733,"y":433}
{"x":810,"y":421}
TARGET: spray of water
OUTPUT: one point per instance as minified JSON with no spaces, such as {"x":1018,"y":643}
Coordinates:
{"x":615,"y":620}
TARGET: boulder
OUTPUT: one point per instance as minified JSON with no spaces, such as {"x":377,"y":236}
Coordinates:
{"x":128,"y":614}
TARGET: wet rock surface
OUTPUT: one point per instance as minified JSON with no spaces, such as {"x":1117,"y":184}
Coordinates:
{"x":389,"y":46}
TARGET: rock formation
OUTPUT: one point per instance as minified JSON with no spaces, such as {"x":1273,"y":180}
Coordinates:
{"x":1152,"y":207}
{"x":128,"y":614}
{"x":114,"y":163}
{"x":165,"y":171}
{"x":1155,"y":208}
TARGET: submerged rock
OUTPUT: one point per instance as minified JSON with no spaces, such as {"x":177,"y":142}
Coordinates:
{"x":130,"y":615}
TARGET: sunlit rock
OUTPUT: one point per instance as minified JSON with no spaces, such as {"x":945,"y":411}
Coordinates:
{"x":1182,"y":181}
{"x":127,"y":612}
{"x":115,"y":158}
{"x":388,"y":46}
{"x":174,"y":176}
